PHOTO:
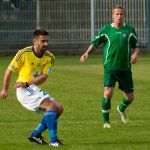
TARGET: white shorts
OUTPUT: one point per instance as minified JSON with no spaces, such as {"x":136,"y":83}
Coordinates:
{"x":31,"y":97}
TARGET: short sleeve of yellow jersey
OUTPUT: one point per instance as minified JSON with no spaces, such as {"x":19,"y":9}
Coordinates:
{"x":50,"y":63}
{"x":17,"y":62}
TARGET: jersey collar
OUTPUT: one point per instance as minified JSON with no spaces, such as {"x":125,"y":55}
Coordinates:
{"x":36,"y":54}
{"x":112,"y":25}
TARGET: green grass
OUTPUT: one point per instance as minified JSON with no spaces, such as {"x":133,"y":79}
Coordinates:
{"x":79,"y":87}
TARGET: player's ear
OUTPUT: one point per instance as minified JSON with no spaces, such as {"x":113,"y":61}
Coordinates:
{"x":112,"y":15}
{"x":33,"y":40}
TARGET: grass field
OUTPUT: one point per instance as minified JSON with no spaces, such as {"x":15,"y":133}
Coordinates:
{"x":79,"y":87}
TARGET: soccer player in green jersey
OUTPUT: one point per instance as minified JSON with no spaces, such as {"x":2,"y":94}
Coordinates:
{"x":119,"y":52}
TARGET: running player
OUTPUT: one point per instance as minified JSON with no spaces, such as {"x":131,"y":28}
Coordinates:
{"x":120,"y":51}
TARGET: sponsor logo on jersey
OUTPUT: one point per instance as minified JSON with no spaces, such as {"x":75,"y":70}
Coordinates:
{"x":118,"y":32}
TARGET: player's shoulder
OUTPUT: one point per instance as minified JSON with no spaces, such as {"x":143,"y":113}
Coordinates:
{"x":106,"y":27}
{"x":130,"y":29}
{"x":129,"y":26}
{"x":49,"y":54}
{"x":22,"y":52}
{"x":25,"y":50}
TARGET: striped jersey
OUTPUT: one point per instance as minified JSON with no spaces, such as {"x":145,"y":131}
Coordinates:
{"x":29,"y":65}
{"x":118,"y":45}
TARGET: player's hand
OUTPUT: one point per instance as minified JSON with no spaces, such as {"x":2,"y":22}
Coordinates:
{"x":83,"y":57}
{"x":133,"y":58}
{"x":20,"y":84}
{"x":3,"y":93}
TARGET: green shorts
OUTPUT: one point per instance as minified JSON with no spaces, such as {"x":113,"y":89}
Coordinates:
{"x":124,"y":79}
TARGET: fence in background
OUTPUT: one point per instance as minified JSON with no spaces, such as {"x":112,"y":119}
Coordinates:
{"x":71,"y":23}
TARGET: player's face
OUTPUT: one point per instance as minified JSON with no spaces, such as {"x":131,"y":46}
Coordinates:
{"x":41,"y":43}
{"x":118,"y":16}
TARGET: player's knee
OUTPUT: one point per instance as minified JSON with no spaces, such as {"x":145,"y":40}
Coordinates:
{"x":52,"y":105}
{"x":48,"y":105}
{"x":59,"y":108}
{"x":129,"y":96}
{"x":56,"y":106}
{"x":107,"y":94}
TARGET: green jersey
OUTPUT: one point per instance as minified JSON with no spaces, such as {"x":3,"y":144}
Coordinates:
{"x":118,"y":45}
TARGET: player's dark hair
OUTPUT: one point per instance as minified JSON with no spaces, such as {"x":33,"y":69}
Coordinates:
{"x":39,"y":32}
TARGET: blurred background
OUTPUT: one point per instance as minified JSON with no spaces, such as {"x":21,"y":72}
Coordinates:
{"x":70,"y":23}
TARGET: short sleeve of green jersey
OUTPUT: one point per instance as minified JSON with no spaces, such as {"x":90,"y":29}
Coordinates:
{"x":17,"y":62}
{"x":99,"y":38}
{"x":134,"y":40}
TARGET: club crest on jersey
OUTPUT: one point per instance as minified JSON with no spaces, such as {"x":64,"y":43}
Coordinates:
{"x":124,"y":36}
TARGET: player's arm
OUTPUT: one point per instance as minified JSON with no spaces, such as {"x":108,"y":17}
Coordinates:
{"x":134,"y":56}
{"x":135,"y":47}
{"x":37,"y":81}
{"x":85,"y":55}
{"x":7,"y":77}
{"x":95,"y":42}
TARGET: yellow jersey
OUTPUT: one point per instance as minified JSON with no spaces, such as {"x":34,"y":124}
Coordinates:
{"x":29,"y":65}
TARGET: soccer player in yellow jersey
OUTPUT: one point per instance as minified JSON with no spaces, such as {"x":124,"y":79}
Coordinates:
{"x":34,"y":63}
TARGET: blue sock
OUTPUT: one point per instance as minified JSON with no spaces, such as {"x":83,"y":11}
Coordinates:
{"x":40,"y":128}
{"x":50,"y":119}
